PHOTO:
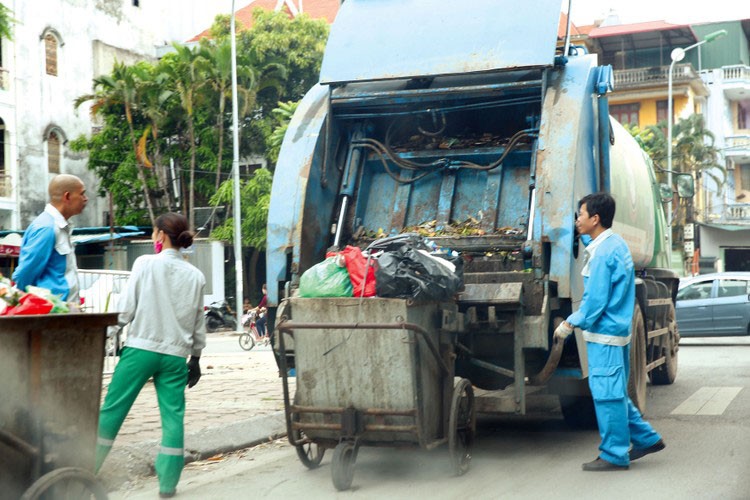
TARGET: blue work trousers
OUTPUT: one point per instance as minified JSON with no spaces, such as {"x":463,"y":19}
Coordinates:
{"x":620,"y":422}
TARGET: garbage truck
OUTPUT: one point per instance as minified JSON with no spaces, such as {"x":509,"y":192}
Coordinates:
{"x":470,"y":122}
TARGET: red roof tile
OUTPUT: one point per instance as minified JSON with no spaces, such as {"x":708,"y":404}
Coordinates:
{"x":629,"y":29}
{"x":316,"y":9}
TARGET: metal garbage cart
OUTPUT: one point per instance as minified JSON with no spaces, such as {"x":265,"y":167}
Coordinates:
{"x":51,"y":373}
{"x":375,"y":384}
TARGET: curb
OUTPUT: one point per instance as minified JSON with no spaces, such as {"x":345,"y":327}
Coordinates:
{"x":123,"y":465}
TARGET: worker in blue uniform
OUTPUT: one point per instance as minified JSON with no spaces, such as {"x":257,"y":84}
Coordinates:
{"x":605,"y":316}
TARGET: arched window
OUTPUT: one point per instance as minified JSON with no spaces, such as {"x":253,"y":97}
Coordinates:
{"x":53,"y":153}
{"x":52,"y":43}
{"x":50,"y":51}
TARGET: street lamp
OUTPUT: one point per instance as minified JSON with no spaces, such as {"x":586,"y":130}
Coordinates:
{"x":677,"y":55}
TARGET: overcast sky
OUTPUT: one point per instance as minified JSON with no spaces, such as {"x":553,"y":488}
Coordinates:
{"x":676,"y":11}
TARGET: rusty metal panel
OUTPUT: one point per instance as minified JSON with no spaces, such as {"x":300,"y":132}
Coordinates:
{"x":51,"y":368}
{"x":498,"y":198}
{"x":388,"y":39}
{"x":369,"y":369}
{"x":504,"y":294}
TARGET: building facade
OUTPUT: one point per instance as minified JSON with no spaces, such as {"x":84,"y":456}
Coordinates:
{"x":58,"y":48}
{"x":713,"y":80}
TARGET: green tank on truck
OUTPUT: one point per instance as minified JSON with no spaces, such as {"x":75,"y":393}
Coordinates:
{"x":489,"y":139}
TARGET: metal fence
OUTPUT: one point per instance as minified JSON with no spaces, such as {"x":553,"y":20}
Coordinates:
{"x":101,"y":292}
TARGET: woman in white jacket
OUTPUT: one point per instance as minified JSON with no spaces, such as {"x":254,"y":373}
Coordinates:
{"x":164,"y":306}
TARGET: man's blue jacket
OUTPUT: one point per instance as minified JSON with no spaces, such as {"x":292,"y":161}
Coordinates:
{"x":609,"y":289}
{"x":40,"y":264}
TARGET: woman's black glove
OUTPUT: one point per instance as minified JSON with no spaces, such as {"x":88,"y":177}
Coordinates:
{"x":194,"y":371}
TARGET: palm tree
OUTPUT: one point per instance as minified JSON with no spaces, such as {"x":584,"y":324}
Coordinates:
{"x":121,"y":89}
{"x":183,"y":70}
{"x":219,"y":76}
{"x":694,"y":150}
{"x":154,"y":96}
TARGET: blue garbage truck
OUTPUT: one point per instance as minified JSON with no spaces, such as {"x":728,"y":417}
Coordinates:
{"x":473,"y":123}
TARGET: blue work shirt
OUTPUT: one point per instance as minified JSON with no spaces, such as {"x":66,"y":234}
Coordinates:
{"x":46,"y":255}
{"x":608,"y":290}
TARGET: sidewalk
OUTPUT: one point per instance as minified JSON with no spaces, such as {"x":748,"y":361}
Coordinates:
{"x":238,"y":403}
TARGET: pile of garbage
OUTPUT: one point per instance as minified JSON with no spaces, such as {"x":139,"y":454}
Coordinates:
{"x":36,"y":300}
{"x":403,"y":266}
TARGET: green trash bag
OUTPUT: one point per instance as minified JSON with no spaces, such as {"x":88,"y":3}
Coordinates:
{"x":326,"y":279}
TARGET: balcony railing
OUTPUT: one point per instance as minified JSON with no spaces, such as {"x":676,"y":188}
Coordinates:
{"x":738,"y":212}
{"x":6,"y":186}
{"x":737,"y":144}
{"x":658,"y":75}
{"x":737,"y":72}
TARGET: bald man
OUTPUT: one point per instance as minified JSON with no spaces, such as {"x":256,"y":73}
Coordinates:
{"x":47,"y":255}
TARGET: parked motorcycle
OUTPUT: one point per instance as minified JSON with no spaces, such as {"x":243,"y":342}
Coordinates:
{"x":219,"y":316}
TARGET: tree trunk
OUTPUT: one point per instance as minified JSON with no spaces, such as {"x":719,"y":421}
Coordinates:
{"x":141,"y":172}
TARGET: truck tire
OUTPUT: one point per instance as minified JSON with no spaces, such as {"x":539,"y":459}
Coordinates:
{"x":667,"y":373}
{"x":638,"y":375}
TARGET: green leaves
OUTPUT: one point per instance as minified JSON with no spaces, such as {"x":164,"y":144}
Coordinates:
{"x":175,"y":114}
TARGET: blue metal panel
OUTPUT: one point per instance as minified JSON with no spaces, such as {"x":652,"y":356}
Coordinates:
{"x":446,"y":195}
{"x":566,"y":165}
{"x":296,"y":182}
{"x":387,"y":39}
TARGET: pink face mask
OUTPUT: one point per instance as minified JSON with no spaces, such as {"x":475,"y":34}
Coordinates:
{"x":157,"y":246}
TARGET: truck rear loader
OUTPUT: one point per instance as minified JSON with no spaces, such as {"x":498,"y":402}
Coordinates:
{"x":466,"y":120}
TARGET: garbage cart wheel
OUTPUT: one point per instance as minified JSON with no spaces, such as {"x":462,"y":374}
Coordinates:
{"x":309,"y":453}
{"x":246,"y":341}
{"x":342,"y":466}
{"x":462,"y":426}
{"x":66,"y":483}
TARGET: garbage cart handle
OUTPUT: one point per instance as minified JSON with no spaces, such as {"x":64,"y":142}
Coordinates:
{"x":18,"y":444}
{"x":289,"y":326}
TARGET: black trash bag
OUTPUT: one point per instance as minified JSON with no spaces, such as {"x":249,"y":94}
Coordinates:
{"x":393,"y":243}
{"x":408,"y":273}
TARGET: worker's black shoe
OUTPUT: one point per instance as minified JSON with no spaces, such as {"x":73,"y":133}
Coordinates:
{"x":637,"y":453}
{"x":601,"y":465}
{"x":167,"y":494}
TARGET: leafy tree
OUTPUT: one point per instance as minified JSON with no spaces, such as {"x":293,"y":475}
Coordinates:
{"x":693,"y":152}
{"x":282,"y":116}
{"x":184,"y":69}
{"x":121,"y":89}
{"x":255,"y":198}
{"x":6,"y":23}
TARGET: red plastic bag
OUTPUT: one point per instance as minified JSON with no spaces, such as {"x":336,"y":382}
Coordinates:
{"x":29,"y":304}
{"x":356,"y":263}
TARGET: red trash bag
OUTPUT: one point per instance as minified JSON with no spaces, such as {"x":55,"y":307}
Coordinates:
{"x":356,"y":263}
{"x":29,"y":304}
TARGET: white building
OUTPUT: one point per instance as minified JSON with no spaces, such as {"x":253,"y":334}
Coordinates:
{"x":58,"y":48}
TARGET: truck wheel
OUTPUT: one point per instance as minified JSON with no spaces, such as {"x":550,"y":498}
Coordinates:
{"x":638,"y":375}
{"x":667,"y":373}
{"x":578,"y":411}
